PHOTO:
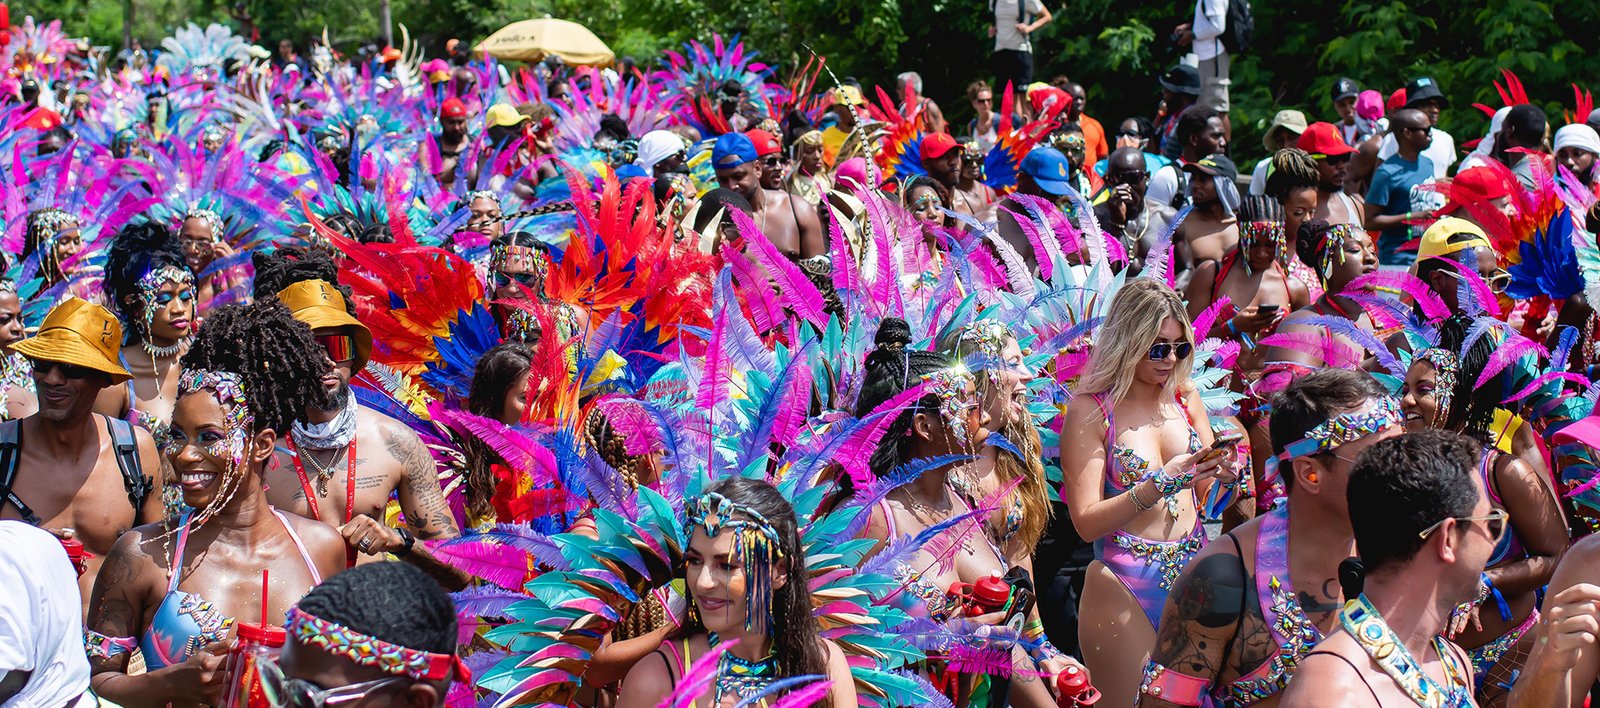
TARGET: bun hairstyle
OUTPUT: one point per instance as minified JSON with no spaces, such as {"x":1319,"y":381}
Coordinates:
{"x":287,"y":266}
{"x":138,"y":249}
{"x":890,"y":369}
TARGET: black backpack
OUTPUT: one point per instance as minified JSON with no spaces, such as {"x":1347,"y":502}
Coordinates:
{"x":1240,"y":28}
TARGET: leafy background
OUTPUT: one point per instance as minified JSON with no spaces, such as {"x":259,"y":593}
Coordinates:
{"x":1115,"y":48}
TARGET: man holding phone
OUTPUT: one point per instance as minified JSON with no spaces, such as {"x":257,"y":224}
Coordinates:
{"x":1235,"y":623}
{"x":1124,"y":212}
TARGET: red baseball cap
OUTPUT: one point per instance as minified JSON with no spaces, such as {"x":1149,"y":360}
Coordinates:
{"x":1475,"y":186}
{"x":1397,"y":100}
{"x":1323,"y":140}
{"x":452,"y":108}
{"x":935,"y":145}
{"x":766,"y":143}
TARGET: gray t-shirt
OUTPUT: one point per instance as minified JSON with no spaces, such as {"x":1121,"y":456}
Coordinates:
{"x":1006,"y":35}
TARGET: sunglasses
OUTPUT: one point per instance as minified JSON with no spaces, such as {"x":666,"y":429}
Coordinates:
{"x":284,"y":692}
{"x":1129,"y":178}
{"x":1497,"y":519}
{"x":1336,"y":159}
{"x":341,"y":347}
{"x":1130,"y":134}
{"x":42,"y":367}
{"x":1161,"y":350}
{"x":1497,"y":281}
{"x":772,"y":161}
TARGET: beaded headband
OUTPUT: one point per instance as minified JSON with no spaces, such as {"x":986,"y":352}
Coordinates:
{"x":950,"y":385}
{"x":229,"y":388}
{"x":1254,"y":232}
{"x":755,"y":542}
{"x":1332,"y":246}
{"x":477,"y":194}
{"x":365,"y":650}
{"x":1379,"y":415}
{"x":211,"y":218}
{"x":1448,"y":368}
{"x":527,"y":258}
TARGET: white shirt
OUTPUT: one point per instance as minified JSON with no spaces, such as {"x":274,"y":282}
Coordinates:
{"x":1006,"y":35}
{"x":1210,"y":21}
{"x":1164,"y":184}
{"x":1442,"y":152}
{"x":41,"y":622}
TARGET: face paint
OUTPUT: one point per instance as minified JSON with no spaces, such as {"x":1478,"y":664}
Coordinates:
{"x":150,"y":290}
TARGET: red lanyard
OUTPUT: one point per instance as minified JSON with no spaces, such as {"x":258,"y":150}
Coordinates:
{"x":349,"y":481}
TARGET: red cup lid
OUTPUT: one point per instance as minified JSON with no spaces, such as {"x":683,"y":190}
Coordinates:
{"x":268,"y":635}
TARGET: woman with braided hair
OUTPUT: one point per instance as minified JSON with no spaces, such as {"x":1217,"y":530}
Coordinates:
{"x":54,"y":235}
{"x":1292,"y":181}
{"x":947,"y":420}
{"x":1253,"y":278}
{"x":150,"y":287}
{"x":1442,"y":390}
{"x":173,"y":593}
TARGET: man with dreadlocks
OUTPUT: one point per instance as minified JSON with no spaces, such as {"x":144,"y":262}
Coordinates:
{"x":79,"y":473}
{"x":342,"y":461}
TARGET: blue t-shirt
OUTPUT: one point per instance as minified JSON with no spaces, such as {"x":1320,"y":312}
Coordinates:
{"x":1395,"y":189}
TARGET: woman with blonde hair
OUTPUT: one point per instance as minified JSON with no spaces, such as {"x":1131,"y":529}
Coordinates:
{"x":1136,"y":454}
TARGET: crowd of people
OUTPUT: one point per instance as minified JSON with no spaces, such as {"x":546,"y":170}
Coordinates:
{"x":337,"y":380}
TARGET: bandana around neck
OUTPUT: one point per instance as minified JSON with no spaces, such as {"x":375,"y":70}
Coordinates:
{"x":332,"y":435}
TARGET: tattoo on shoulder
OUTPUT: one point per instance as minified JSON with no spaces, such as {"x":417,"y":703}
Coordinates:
{"x":407,"y":448}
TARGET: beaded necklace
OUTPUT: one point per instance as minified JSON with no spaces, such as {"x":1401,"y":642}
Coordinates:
{"x":742,"y":677}
{"x":1363,"y":622}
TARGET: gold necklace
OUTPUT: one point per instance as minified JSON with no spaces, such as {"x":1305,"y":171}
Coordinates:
{"x":324,"y":473}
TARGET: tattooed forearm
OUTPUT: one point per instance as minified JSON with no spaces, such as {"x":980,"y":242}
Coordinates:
{"x":420,"y":496}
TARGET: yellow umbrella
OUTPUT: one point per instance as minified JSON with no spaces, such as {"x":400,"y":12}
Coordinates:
{"x":533,"y":40}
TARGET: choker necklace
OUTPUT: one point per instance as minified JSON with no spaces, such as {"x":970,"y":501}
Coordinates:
{"x":1363,"y":622}
{"x":163,"y":352}
{"x":742,"y":677}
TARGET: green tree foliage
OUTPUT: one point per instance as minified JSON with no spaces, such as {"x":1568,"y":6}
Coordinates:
{"x":1115,"y":48}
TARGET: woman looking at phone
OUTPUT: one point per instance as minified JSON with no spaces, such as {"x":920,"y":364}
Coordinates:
{"x":1130,"y":453}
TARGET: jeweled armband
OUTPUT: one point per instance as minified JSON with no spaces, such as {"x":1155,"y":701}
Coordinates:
{"x":100,"y":646}
{"x":1171,"y":686}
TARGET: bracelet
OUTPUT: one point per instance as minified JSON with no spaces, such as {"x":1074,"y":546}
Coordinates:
{"x":1139,"y":503}
{"x":1169,"y":486}
{"x":100,"y":646}
{"x":410,"y":540}
{"x":1233,"y":327}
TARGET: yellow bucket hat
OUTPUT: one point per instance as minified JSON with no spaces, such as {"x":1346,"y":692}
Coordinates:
{"x":318,"y":304}
{"x":80,"y":333}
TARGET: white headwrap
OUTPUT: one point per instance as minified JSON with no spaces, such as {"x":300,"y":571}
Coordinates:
{"x":1487,"y":144}
{"x":657,"y":145}
{"x":1578,"y":136}
{"x":41,"y":622}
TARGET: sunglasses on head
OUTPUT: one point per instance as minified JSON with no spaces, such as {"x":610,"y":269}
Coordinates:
{"x":42,"y":367}
{"x":1161,"y":350}
{"x":341,"y":347}
{"x":1496,"y":525}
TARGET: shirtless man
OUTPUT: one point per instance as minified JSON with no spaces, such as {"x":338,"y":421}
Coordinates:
{"x":1211,"y":230}
{"x":1333,"y":159}
{"x":453,"y":138}
{"x":312,"y":477}
{"x":788,"y":221}
{"x":1424,"y":529}
{"x":67,"y":469}
{"x":1221,"y":623}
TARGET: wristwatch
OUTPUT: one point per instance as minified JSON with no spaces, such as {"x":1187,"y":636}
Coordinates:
{"x":410,"y":540}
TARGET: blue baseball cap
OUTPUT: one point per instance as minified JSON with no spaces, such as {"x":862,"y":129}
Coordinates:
{"x":1049,"y":169}
{"x":732,"y":150}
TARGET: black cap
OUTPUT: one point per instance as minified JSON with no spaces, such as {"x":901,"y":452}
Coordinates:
{"x":1424,"y":89}
{"x":1217,"y":165}
{"x":1182,"y":79}
{"x":1345,"y":88}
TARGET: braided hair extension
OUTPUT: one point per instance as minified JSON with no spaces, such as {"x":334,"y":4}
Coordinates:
{"x":1291,"y":169}
{"x":138,"y":249}
{"x":42,"y":228}
{"x":890,"y":369}
{"x":287,"y":266}
{"x":1471,"y":409}
{"x":1261,"y":218}
{"x":277,"y":359}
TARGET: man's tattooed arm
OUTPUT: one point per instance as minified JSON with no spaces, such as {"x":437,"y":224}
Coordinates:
{"x":420,"y":495}
{"x":423,"y":502}
{"x":1202,"y":617}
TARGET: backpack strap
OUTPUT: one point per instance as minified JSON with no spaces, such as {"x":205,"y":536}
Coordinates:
{"x":134,"y":480}
{"x":10,"y":456}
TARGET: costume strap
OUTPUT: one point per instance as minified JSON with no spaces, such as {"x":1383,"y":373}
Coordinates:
{"x":1174,"y":687}
{"x":365,"y":650}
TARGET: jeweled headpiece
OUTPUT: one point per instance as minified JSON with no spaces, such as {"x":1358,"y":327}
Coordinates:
{"x":1375,"y":417}
{"x":756,"y":543}
{"x":1448,"y":368}
{"x":1332,"y":247}
{"x":150,"y":286}
{"x":229,"y":388}
{"x":212,"y":219}
{"x":366,"y":650}
{"x":950,"y":385}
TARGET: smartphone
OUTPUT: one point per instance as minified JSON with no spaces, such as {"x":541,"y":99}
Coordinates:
{"x":1266,"y":309}
{"x":1221,"y":445}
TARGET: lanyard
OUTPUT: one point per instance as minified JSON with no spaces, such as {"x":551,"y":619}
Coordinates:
{"x":349,"y":490}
